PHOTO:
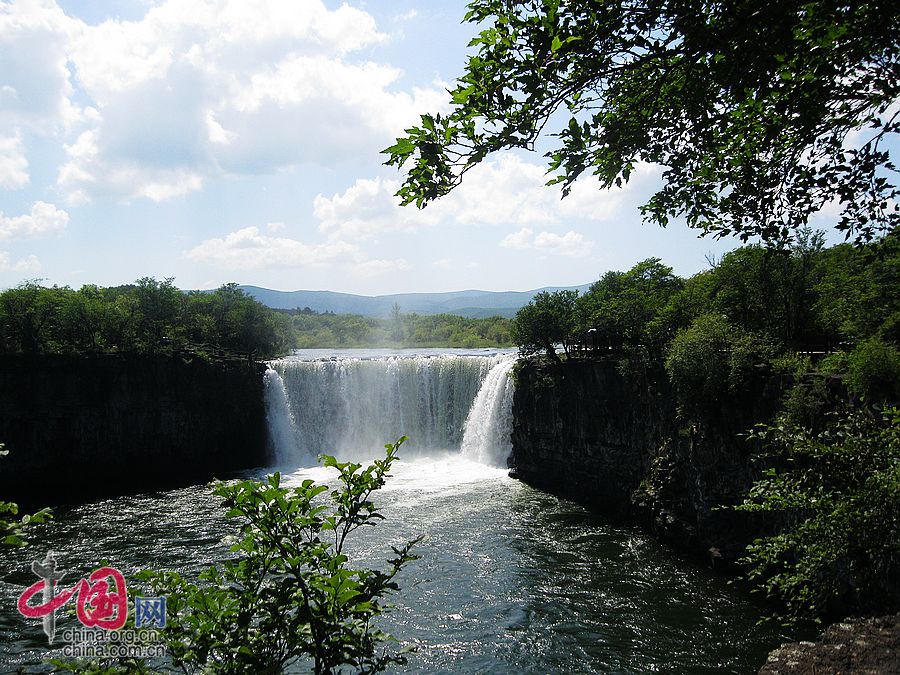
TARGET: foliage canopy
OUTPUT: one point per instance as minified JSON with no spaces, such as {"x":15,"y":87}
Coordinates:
{"x":760,"y":113}
{"x":548,"y":320}
{"x":147,"y":317}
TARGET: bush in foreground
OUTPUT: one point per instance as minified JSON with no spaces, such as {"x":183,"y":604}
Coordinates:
{"x":838,"y":493}
{"x":290,"y":597}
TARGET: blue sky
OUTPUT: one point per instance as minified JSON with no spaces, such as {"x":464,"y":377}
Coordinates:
{"x":216,"y":141}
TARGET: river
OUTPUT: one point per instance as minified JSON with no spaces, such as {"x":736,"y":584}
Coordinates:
{"x":510,"y":579}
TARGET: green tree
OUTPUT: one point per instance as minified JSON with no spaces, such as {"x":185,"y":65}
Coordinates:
{"x":759,"y":112}
{"x":837,"y":493}
{"x":856,"y":292}
{"x":82,"y":317}
{"x":874,"y":371}
{"x":624,"y":308}
{"x":30,"y":313}
{"x":771,"y":290}
{"x":397,"y":328}
{"x":159,"y":306}
{"x":547,"y":320}
{"x":710,"y":360}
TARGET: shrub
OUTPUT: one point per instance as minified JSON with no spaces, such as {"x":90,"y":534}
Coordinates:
{"x":289,"y":599}
{"x":835,"y":363}
{"x":873,"y":371}
{"x":710,"y":359}
{"x":838,"y":491}
{"x":12,"y":524}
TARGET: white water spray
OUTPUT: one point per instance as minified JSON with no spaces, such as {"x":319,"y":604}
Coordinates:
{"x":283,"y":445}
{"x":489,"y":424}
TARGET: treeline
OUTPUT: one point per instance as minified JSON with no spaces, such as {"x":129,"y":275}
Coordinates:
{"x":826,"y":467}
{"x":146,"y":317}
{"x":755,"y":304}
{"x":313,"y":329}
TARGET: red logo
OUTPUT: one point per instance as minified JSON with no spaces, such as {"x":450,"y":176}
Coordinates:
{"x":101,"y":599}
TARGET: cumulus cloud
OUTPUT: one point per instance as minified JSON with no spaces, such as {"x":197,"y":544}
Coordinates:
{"x":35,"y":87}
{"x":43,"y":220}
{"x":519,"y":240}
{"x":13,"y":163}
{"x":501,"y":191}
{"x":248,"y":249}
{"x":406,"y":16}
{"x":571,"y":244}
{"x":197,"y":89}
{"x":28,"y":265}
{"x":367,"y":208}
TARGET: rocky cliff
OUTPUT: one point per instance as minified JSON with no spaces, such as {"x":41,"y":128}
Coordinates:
{"x":82,"y":427}
{"x":609,"y":436}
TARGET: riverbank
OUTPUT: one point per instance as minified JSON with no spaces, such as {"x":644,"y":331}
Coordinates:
{"x":82,"y":427}
{"x":612,"y":440}
{"x":863,"y":646}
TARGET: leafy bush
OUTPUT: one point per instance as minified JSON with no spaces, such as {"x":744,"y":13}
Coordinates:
{"x":834,"y":363}
{"x":806,"y":403}
{"x":289,"y":599}
{"x":873,"y":371}
{"x":12,"y":524}
{"x":793,"y":363}
{"x":711,"y":358}
{"x":838,"y":491}
{"x":291,"y":594}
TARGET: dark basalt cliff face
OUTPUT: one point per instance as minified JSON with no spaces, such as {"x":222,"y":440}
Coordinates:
{"x":78,"y":428}
{"x":615,"y":442}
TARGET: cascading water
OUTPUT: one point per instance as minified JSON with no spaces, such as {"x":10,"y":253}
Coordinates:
{"x":283,"y":447}
{"x":489,"y":424}
{"x":350,"y":407}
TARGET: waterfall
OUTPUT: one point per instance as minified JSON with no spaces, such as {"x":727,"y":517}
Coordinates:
{"x":351,"y":406}
{"x":489,"y":424}
{"x":283,"y":447}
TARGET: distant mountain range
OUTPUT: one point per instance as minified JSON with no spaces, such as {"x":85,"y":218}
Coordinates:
{"x":473,"y":304}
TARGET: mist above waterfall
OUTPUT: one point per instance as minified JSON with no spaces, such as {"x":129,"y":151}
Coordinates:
{"x":350,"y":403}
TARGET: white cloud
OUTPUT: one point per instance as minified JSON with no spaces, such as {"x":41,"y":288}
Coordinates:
{"x":519,"y":240}
{"x":29,"y":265}
{"x":369,"y":207}
{"x":248,"y":249}
{"x":501,"y":191}
{"x":35,"y":85}
{"x":13,"y":163}
{"x":43,"y":220}
{"x":571,"y":244}
{"x":200,"y":88}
